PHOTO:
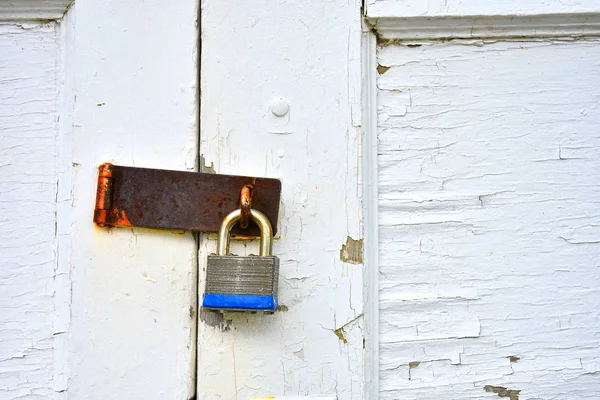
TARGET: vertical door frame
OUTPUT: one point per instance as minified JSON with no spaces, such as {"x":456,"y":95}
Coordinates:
{"x":370,"y":210}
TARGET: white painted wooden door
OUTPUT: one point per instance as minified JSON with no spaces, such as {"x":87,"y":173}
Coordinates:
{"x":88,"y":312}
{"x":307,"y":54}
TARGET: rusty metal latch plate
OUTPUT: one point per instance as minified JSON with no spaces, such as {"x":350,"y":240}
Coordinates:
{"x":164,"y":199}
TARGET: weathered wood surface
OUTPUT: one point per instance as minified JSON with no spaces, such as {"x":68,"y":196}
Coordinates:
{"x":489,"y":205}
{"x":89,"y":312}
{"x":307,"y":53}
{"x":134,"y":79}
{"x":28,"y":126}
{"x":41,"y":10}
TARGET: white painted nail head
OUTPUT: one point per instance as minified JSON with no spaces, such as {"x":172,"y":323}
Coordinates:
{"x":279,"y":107}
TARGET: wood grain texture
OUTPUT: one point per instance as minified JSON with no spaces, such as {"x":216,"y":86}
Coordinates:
{"x":307,"y":53}
{"x":436,"y":8}
{"x":28,"y":125}
{"x":489,"y":213}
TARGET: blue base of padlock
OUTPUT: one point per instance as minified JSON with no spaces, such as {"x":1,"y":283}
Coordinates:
{"x":242,"y":302}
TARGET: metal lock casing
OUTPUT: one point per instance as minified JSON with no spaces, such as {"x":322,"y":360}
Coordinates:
{"x":238,"y":283}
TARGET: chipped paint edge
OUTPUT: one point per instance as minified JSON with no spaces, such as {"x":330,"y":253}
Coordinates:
{"x":370,"y":213}
{"x":352,"y":251}
{"x":488,"y":26}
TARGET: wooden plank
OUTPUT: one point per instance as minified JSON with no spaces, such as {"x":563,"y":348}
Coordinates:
{"x":306,"y":54}
{"x":489,"y":160}
{"x":28,"y":112}
{"x":133,"y":82}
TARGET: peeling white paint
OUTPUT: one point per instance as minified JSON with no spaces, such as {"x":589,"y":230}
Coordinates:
{"x":28,"y":126}
{"x":485,"y":196}
{"x":79,"y":317}
{"x":489,"y":160}
{"x":132,"y":334}
{"x":309,"y":55}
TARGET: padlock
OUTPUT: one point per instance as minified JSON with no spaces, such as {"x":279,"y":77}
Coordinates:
{"x":237,"y":283}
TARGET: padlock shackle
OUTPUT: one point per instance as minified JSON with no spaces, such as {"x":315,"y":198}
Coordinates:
{"x":266,"y":232}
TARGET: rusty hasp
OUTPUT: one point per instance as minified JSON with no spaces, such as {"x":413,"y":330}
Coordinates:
{"x":164,"y":199}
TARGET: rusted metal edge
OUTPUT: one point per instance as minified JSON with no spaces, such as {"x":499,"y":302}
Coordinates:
{"x":165,"y":199}
{"x":245,"y":205}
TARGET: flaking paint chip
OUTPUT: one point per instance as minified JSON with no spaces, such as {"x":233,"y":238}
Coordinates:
{"x":381,"y":69}
{"x":352,"y":251}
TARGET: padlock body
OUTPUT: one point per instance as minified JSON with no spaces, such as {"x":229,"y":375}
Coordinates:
{"x":236,"y":283}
